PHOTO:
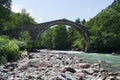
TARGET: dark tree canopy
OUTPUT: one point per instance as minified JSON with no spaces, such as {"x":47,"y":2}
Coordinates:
{"x":5,"y":9}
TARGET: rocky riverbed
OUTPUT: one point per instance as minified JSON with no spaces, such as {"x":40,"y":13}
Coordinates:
{"x":48,"y":65}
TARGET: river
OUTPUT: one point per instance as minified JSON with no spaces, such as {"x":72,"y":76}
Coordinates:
{"x":110,"y":62}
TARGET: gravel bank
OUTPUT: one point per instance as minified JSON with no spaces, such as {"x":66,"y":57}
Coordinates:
{"x":50,"y":65}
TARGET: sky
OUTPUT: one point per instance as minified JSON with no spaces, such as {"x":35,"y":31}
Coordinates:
{"x":49,"y":10}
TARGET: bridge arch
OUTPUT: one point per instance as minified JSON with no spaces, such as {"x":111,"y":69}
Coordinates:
{"x":36,"y":30}
{"x":82,"y":29}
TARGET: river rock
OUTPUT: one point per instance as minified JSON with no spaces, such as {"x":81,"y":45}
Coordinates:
{"x":84,"y":65}
{"x":4,"y":70}
{"x":96,"y":65}
{"x":64,"y":76}
{"x":118,"y":77}
{"x":89,"y":71}
{"x":50,"y":65}
{"x":57,"y":78}
{"x":68,"y":69}
{"x":111,"y":78}
{"x":12,"y":64}
{"x":80,"y":75}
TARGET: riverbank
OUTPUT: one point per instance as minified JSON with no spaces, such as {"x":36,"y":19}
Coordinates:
{"x":52,"y":65}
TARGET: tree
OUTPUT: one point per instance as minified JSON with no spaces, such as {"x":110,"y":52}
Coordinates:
{"x":5,"y":11}
{"x":78,"y":21}
{"x":116,"y":2}
{"x":105,"y":30}
{"x":75,"y":39}
{"x":60,"y":37}
{"x":46,"y":39}
{"x":55,"y":38}
{"x":19,"y":19}
{"x":83,"y":21}
{"x":25,"y":36}
{"x":26,"y":19}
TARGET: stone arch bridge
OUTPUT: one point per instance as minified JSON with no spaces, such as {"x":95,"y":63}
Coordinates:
{"x":36,"y":30}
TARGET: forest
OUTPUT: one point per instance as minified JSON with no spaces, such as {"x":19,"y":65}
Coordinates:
{"x":104,"y":31}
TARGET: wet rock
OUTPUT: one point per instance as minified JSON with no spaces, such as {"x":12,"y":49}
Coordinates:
{"x":118,"y":73}
{"x":112,"y":73}
{"x":96,"y":65}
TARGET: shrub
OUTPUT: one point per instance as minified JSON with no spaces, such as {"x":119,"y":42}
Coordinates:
{"x":12,"y":51}
{"x":9,"y":50}
{"x":22,"y":45}
{"x":25,"y":37}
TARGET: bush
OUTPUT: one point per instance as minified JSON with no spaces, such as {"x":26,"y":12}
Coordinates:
{"x":22,"y":45}
{"x":25,"y":37}
{"x":3,"y":59}
{"x":9,"y":50}
{"x":12,"y":51}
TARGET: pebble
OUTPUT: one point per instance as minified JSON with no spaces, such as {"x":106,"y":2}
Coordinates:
{"x":48,"y":65}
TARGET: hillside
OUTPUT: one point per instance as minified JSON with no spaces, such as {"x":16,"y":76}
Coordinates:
{"x":105,"y":29}
{"x":115,"y":3}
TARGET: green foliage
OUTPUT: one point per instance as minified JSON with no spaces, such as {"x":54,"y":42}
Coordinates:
{"x":105,"y":30}
{"x":76,"y":39}
{"x":17,"y":20}
{"x":9,"y":51}
{"x":116,"y":2}
{"x":117,"y":8}
{"x":62,"y":38}
{"x":55,"y":38}
{"x":25,"y":37}
{"x":78,"y":45}
{"x":21,"y":44}
{"x":12,"y":51}
{"x":5,"y":11}
{"x":80,"y":22}
{"x":3,"y":59}
{"x":46,"y":39}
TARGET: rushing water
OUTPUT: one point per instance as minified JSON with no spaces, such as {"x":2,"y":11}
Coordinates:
{"x":111,"y":62}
